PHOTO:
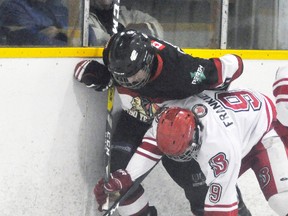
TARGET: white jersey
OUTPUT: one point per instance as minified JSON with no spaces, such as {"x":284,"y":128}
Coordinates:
{"x":280,"y":91}
{"x":234,"y":122}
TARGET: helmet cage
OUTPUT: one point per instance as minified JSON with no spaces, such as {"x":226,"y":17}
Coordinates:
{"x":194,"y":147}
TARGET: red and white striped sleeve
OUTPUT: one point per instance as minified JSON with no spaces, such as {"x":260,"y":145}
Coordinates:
{"x":270,"y":112}
{"x":280,"y":91}
{"x":145,"y":157}
{"x":229,"y":68}
{"x":217,"y":210}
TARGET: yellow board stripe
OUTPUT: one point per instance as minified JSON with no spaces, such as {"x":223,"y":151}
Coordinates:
{"x":51,"y":52}
{"x":93,"y":52}
{"x":245,"y":54}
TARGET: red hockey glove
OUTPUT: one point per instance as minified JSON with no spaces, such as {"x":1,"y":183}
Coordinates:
{"x":120,"y":181}
{"x":93,"y":75}
{"x":100,"y":194}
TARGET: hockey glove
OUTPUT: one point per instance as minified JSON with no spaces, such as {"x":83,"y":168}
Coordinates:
{"x":120,"y":181}
{"x":100,"y":194}
{"x":93,"y":75}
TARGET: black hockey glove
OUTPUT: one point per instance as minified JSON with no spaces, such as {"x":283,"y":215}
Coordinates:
{"x":93,"y":75}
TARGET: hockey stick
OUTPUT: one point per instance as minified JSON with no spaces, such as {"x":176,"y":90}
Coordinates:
{"x":110,"y":101}
{"x":108,"y":136}
{"x":116,"y":13}
{"x":122,"y":198}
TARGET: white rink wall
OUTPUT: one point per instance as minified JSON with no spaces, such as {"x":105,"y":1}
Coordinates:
{"x":52,"y":138}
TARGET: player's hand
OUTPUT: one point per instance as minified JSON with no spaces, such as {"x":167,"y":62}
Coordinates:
{"x":120,"y":181}
{"x":93,"y":74}
{"x":100,"y":194}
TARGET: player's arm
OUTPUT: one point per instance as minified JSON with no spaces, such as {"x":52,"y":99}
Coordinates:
{"x":199,"y":74}
{"x":228,"y":68}
{"x":221,"y":167}
{"x":221,"y":199}
{"x":145,"y":157}
{"x":280,"y":92}
{"x":215,"y":73}
{"x":93,"y":74}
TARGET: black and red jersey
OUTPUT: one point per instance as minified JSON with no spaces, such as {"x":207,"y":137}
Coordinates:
{"x":178,"y":75}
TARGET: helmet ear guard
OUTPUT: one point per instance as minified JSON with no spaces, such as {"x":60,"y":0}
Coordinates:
{"x":178,"y":134}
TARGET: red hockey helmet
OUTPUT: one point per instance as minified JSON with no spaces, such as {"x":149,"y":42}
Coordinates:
{"x":178,"y":134}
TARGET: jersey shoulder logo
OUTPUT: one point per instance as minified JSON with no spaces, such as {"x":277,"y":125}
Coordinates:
{"x":198,"y":76}
{"x":200,"y":110}
{"x":264,"y":177}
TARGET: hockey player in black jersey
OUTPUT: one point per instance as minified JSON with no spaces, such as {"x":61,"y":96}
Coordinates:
{"x":147,"y":71}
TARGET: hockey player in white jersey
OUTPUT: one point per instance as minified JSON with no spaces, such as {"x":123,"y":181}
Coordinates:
{"x":280,"y":91}
{"x":227,"y":133}
{"x":147,"y":71}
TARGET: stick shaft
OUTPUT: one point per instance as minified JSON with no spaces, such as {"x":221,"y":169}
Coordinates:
{"x":108,"y":137}
{"x":110,"y":101}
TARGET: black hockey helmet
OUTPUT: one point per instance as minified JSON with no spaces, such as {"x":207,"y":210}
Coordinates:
{"x":130,"y":58}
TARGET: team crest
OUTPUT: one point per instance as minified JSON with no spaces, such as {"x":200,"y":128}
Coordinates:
{"x":143,"y":109}
{"x":219,"y":164}
{"x":264,"y":177}
{"x":200,"y":110}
